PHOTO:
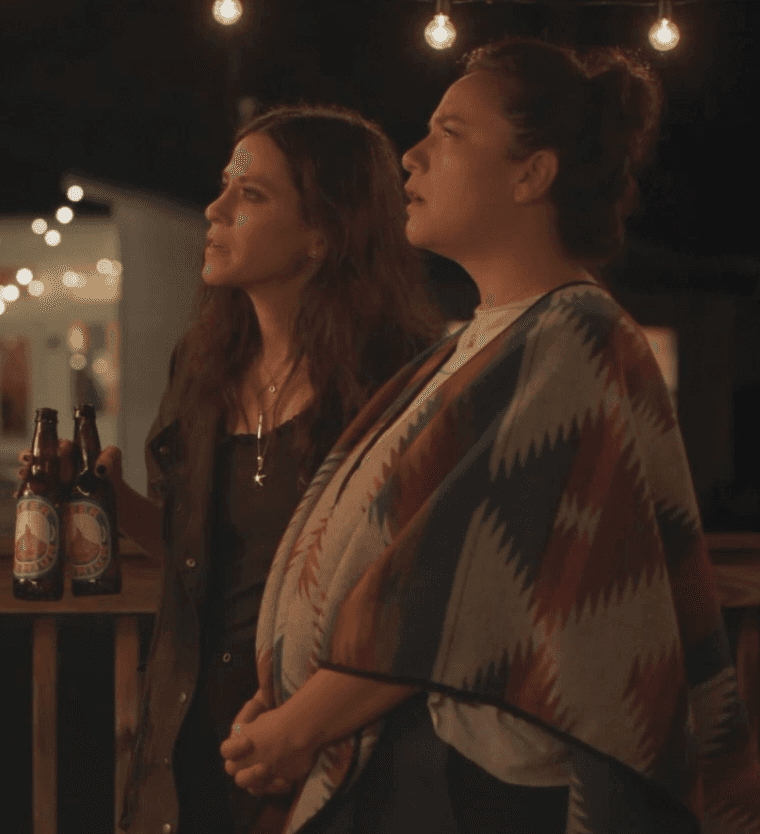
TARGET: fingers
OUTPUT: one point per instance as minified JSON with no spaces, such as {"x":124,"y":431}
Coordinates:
{"x":65,"y":457}
{"x":108,"y":464}
{"x":250,"y":710}
{"x":235,"y":747}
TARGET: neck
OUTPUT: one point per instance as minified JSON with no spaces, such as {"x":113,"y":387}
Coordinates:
{"x":276,"y":306}
{"x":531,"y":261}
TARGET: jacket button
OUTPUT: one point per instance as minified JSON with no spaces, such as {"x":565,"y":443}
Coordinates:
{"x":190,"y":563}
{"x":166,"y":828}
{"x":226,"y":657}
{"x":182,"y":697}
{"x":164,"y":450}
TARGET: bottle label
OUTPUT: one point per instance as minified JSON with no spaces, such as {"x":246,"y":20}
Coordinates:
{"x":88,"y":539}
{"x":37,"y":542}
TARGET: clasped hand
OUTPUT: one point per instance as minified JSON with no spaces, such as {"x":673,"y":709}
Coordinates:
{"x":263,"y":758}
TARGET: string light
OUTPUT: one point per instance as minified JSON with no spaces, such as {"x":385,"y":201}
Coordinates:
{"x":39,"y":226}
{"x":75,"y":193}
{"x":24,"y":276}
{"x":440,"y":32}
{"x":664,"y":34}
{"x":52,"y":238}
{"x":64,"y":214}
{"x":227,"y":12}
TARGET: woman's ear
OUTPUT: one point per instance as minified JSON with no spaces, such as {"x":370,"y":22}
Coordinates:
{"x":538,"y":173}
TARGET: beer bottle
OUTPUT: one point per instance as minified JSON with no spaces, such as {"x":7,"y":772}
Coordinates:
{"x":91,"y":535}
{"x":37,"y":554}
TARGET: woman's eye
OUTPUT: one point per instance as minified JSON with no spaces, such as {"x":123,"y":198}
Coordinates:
{"x":448,"y":131}
{"x":254,"y":195}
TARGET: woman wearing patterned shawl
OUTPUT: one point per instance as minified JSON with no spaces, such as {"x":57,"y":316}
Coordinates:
{"x":493,"y":610}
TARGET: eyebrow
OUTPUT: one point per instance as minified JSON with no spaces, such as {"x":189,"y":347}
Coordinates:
{"x":253,"y":180}
{"x":450,"y":117}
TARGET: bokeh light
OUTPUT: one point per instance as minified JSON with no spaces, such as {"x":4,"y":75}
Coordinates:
{"x":75,"y":193}
{"x":77,"y":361}
{"x":39,"y":226}
{"x":70,"y":279}
{"x":227,"y":12}
{"x":76,"y":337}
{"x":36,"y":287}
{"x":104,"y":266}
{"x":10,"y":292}
{"x":24,"y":276}
{"x":64,"y":214}
{"x":52,"y":238}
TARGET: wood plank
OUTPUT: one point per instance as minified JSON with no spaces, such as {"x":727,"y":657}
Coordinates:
{"x":738,"y":585}
{"x":44,"y":726}
{"x":733,"y":541}
{"x":748,"y":666}
{"x":126,"y":701}
{"x":140,"y":594}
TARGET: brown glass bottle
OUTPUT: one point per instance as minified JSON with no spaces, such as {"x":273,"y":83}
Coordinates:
{"x":38,"y":555}
{"x":91,"y":538}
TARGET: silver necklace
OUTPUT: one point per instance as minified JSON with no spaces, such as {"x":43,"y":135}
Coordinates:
{"x":259,"y":476}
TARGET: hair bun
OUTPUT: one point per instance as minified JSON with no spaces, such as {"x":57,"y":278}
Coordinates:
{"x":630,"y":98}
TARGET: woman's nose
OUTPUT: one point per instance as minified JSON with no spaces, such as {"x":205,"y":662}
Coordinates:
{"x":410,"y":161}
{"x":214,"y":209}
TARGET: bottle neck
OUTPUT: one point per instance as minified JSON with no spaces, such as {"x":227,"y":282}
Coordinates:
{"x":88,"y":443}
{"x":45,"y":450}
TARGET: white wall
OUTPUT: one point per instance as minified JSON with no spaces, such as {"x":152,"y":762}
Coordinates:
{"x":159,"y":244}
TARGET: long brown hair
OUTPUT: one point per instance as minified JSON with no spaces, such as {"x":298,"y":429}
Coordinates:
{"x":365,"y":313}
{"x":599,"y":111}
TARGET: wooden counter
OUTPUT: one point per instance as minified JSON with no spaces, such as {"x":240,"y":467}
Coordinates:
{"x":735,"y":557}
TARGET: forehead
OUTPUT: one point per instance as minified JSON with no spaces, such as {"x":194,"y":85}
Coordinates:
{"x":257,"y":155}
{"x":476,"y":99}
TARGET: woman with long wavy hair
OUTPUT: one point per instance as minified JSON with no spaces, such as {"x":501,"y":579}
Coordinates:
{"x":311,"y":299}
{"x":494,"y":609}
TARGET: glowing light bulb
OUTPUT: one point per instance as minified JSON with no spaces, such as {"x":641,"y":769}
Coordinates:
{"x":36,"y":288}
{"x":24,"y":276}
{"x":77,"y":361}
{"x":75,"y":193}
{"x":64,"y":214}
{"x":440,"y":32}
{"x":10,"y":293}
{"x":227,"y":12}
{"x":664,"y":35}
{"x":39,"y":226}
{"x":52,"y":238}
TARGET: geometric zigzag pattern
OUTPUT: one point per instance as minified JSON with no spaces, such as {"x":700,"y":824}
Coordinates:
{"x":531,"y":541}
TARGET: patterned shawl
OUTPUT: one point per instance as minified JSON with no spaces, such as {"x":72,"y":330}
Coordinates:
{"x":536,"y":545}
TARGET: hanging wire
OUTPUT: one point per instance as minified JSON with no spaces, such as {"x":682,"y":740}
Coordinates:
{"x":574,"y":3}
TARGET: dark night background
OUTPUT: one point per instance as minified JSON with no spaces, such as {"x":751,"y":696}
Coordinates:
{"x":143,"y":93}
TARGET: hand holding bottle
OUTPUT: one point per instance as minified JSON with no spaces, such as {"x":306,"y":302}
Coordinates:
{"x":65,"y":456}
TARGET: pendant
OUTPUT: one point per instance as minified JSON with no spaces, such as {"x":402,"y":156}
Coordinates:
{"x":272,"y":389}
{"x":259,"y":478}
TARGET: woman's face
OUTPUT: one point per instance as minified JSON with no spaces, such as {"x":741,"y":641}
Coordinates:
{"x":257,"y":235}
{"x":461,"y":172}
